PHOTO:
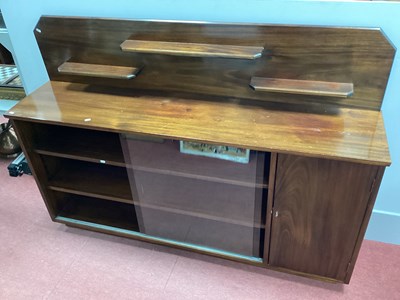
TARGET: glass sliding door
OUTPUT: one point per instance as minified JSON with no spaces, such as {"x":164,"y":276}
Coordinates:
{"x":213,"y":202}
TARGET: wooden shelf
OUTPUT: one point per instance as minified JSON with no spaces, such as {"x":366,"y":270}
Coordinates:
{"x":160,"y":158}
{"x":164,"y":209}
{"x":165,"y":158}
{"x":215,"y":201}
{"x":206,"y":232}
{"x":95,"y":70}
{"x":100,"y":181}
{"x":305,"y":87}
{"x":184,"y":229}
{"x":119,"y":215}
{"x":80,"y":144}
{"x":182,"y":212}
{"x":192,"y":49}
{"x":77,"y":155}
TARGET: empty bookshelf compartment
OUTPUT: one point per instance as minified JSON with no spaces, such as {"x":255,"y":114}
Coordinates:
{"x":88,"y":179}
{"x":81,"y":208}
{"x":75,"y":143}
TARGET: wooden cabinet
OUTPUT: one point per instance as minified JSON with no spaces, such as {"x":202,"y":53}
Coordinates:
{"x":103,"y":136}
{"x":318,"y":212}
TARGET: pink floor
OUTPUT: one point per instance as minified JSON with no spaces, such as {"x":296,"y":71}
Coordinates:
{"x":44,"y":260}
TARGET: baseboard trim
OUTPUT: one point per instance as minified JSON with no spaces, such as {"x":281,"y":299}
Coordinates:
{"x":384,"y":227}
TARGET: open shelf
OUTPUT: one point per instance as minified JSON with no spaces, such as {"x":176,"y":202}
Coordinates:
{"x":180,"y":195}
{"x":192,"y":49}
{"x":170,"y":227}
{"x":303,"y":87}
{"x":80,"y":144}
{"x":95,"y":70}
{"x":119,"y":215}
{"x":160,"y":158}
{"x":88,"y":179}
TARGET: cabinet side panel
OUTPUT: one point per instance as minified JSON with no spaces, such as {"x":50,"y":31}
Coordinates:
{"x":319,"y":208}
{"x":25,"y":133}
{"x":364,"y":226}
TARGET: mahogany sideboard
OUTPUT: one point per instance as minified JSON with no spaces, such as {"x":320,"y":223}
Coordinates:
{"x":104,"y":136}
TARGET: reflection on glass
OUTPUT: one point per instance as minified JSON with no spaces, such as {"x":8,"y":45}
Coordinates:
{"x":213,"y":203}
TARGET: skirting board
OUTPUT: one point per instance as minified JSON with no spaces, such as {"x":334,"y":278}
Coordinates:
{"x":384,"y":227}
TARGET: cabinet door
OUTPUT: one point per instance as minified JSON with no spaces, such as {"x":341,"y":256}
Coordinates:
{"x":319,"y":207}
{"x":198,"y":201}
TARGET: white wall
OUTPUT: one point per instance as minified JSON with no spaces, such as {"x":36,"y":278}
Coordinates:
{"x":21,"y":16}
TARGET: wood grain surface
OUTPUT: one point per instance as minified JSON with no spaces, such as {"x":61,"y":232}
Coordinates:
{"x":344,"y":134}
{"x":306,"y":87}
{"x":319,"y":207}
{"x":91,"y":179}
{"x":192,"y":49}
{"x":25,"y":132}
{"x":115,"y":214}
{"x":354,"y":55}
{"x":92,"y":70}
{"x":363,"y":229}
{"x":327,"y":153}
{"x":269,"y":206}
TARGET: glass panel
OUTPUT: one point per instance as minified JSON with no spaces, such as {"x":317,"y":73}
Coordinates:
{"x":213,"y":201}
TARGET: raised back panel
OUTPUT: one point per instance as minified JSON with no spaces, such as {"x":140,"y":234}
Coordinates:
{"x":362,"y":57}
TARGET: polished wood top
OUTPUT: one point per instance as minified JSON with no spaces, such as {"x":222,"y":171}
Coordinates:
{"x":343,"y":133}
